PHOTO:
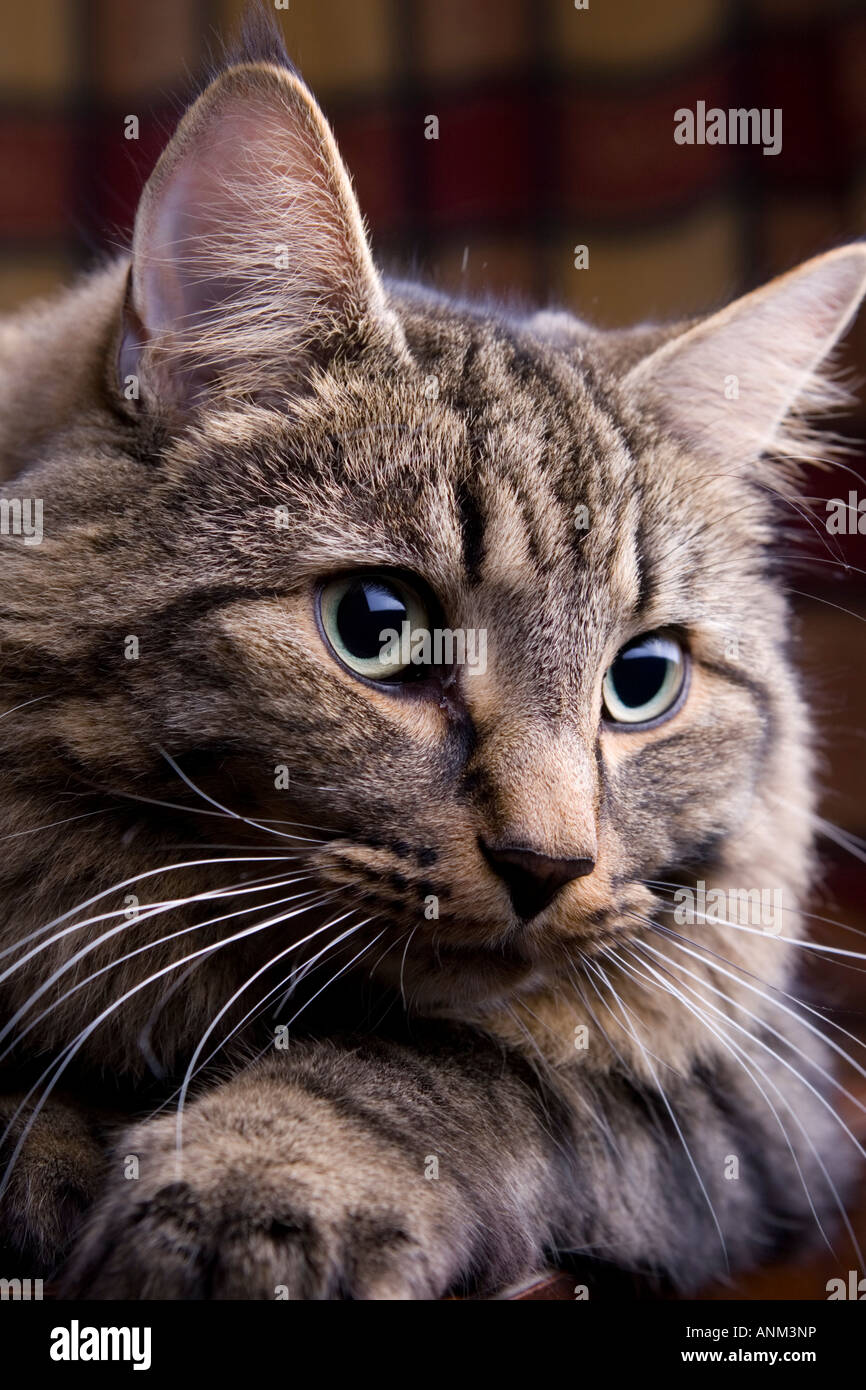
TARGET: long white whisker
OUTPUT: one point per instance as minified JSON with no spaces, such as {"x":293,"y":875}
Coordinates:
{"x":294,"y":946}
{"x":66,"y":1056}
{"x":544,"y":1071}
{"x":53,"y":824}
{"x":153,"y":911}
{"x":762,"y":994}
{"x":139,"y":950}
{"x":843,"y":838}
{"x":35,"y":701}
{"x":261,"y":1004}
{"x":195,"y":810}
{"x":766,"y":1047}
{"x":749,"y":1064}
{"x":287,"y":984}
{"x":591,"y":966}
{"x":245,"y":820}
{"x":668,"y":932}
{"x":694,"y":1167}
{"x":611,"y":1137}
{"x":403,"y":961}
{"x":660,"y":883}
{"x":343,"y":968}
{"x":116,"y":888}
{"x":145,"y":1045}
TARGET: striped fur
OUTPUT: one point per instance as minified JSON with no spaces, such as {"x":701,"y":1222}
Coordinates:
{"x":456,"y":442}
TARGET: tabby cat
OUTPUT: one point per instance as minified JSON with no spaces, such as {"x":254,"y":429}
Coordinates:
{"x":332,"y":973}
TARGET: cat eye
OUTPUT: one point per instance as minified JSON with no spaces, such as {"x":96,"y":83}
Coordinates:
{"x":364,"y":617}
{"x":646,"y":680}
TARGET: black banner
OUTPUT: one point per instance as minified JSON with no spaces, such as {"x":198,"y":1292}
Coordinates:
{"x":59,"y":1340}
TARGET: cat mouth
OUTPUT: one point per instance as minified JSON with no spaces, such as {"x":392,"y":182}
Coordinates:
{"x":473,"y":970}
{"x":436,"y":973}
{"x":509,"y":955}
{"x":441,"y":977}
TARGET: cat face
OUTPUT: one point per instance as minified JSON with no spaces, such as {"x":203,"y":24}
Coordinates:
{"x":470,"y":504}
{"x":523,"y":500}
{"x":297,"y":446}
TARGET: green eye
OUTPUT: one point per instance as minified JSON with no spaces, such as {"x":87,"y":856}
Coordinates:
{"x":645,"y":681}
{"x":357,"y":610}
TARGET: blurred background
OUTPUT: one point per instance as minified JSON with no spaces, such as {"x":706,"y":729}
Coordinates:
{"x":555,"y":131}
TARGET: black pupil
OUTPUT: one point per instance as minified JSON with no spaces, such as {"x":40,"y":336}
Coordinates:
{"x":366,"y":609}
{"x":638,"y":676}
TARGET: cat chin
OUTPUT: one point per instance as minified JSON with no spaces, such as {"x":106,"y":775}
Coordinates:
{"x":455,"y":979}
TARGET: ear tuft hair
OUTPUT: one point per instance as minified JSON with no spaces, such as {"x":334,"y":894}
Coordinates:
{"x":259,"y":40}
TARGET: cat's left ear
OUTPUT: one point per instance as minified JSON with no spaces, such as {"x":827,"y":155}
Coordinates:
{"x":733,"y":386}
{"x":250,"y":262}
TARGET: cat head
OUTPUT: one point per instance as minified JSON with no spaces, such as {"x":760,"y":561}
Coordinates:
{"x":282,"y":471}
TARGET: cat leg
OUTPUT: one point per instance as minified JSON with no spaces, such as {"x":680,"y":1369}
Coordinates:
{"x":368,"y":1172}
{"x":379,"y":1170}
{"x":57,"y":1175}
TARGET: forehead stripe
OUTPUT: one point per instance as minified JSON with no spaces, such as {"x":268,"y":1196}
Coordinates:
{"x":471,"y":529}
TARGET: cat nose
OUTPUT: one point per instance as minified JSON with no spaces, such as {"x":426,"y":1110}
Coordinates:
{"x":533,"y":879}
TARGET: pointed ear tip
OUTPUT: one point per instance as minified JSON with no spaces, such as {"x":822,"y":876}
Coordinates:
{"x":280,"y":90}
{"x":264,"y":76}
{"x":838,"y":277}
{"x":233,"y":95}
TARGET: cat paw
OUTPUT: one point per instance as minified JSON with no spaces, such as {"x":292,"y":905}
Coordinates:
{"x":276,"y":1194}
{"x":52,"y":1181}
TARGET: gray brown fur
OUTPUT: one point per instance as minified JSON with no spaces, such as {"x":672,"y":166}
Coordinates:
{"x":307,"y":1169}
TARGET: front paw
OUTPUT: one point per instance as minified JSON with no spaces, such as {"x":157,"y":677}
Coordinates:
{"x":276,"y":1194}
{"x":52,"y":1182}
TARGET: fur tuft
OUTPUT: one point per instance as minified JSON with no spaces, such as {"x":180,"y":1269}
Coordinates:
{"x":259,"y":40}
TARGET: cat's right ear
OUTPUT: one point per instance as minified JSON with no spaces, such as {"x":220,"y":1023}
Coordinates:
{"x":250,"y":261}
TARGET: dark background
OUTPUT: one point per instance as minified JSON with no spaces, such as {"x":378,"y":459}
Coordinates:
{"x":556,"y":129}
